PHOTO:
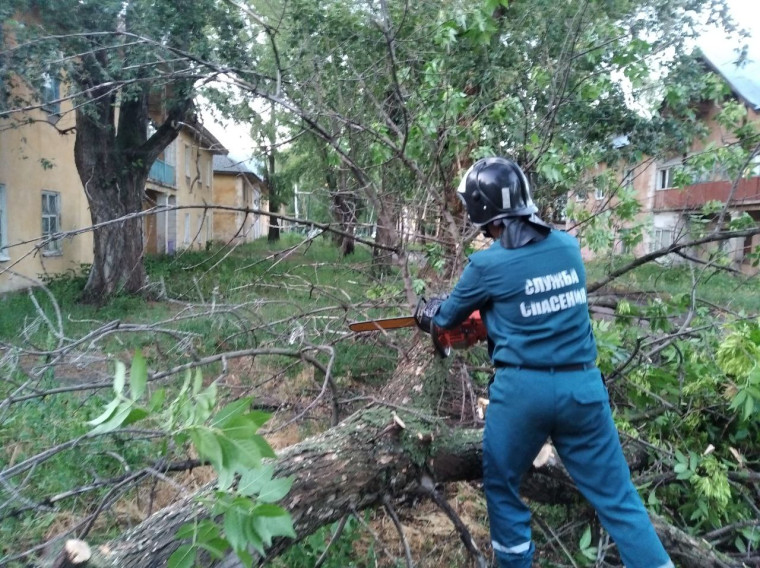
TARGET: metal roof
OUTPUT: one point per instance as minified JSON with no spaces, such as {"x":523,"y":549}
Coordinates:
{"x":230,"y":165}
{"x":742,"y":76}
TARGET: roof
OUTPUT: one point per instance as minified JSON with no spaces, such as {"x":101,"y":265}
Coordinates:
{"x":743,"y":77}
{"x":227,"y":164}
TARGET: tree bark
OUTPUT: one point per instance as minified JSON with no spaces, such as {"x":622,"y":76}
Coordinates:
{"x":113,"y":165}
{"x":353,"y":466}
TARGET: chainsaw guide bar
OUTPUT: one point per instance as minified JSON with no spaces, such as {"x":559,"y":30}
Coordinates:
{"x":389,"y":323}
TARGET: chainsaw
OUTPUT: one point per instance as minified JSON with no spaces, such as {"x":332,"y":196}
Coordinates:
{"x":465,"y":335}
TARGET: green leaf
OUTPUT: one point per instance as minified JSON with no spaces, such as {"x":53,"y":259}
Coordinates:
{"x":186,"y":531}
{"x":135,"y":414}
{"x":269,"y":526}
{"x":265,"y":449}
{"x":230,"y":411}
{"x":247,"y":453}
{"x":207,"y":446}
{"x":138,"y":375}
{"x":183,"y":557}
{"x":245,"y":558}
{"x":254,"y":479}
{"x":749,"y":406}
{"x":109,"y":410}
{"x":258,"y":417}
{"x":275,"y":490}
{"x":157,"y":400}
{"x":119,"y":378}
{"x":240,"y":428}
{"x":118,"y":418}
{"x":585,"y":538}
{"x":216,"y":547}
{"x":234,"y":521}
{"x":207,"y":530}
{"x":197,"y":381}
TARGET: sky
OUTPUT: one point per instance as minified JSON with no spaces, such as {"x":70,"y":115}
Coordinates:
{"x":723,"y":51}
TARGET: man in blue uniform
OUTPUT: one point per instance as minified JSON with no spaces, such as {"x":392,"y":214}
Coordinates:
{"x":530,"y":288}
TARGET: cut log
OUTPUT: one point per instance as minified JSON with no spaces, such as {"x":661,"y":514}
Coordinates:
{"x":74,"y":554}
{"x":353,"y":466}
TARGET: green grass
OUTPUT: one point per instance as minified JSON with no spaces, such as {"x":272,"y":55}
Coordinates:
{"x":714,"y":286}
{"x":250,"y":287}
{"x":283,"y":295}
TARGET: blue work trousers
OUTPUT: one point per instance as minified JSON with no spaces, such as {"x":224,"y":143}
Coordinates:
{"x":527,"y":407}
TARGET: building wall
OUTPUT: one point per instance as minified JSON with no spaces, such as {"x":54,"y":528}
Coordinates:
{"x":183,"y":186}
{"x":35,"y":158}
{"x":239,"y":191}
{"x":666,"y":213}
{"x":669,"y":209}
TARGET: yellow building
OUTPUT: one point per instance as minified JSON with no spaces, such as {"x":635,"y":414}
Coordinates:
{"x":41,"y":195}
{"x":181,"y":181}
{"x":237,"y":187}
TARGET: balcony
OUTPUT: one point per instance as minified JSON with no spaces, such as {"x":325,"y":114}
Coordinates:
{"x":163,"y":173}
{"x":693,"y":197}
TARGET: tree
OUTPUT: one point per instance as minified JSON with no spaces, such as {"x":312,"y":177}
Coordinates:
{"x":530,"y":79}
{"x":126,"y":66}
{"x":434,"y":86}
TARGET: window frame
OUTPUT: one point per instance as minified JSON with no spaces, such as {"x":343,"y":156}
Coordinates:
{"x":668,"y":169}
{"x":657,"y":237}
{"x":51,"y":94}
{"x":54,"y":247}
{"x":629,"y":174}
{"x":4,"y":256}
{"x":188,"y":161}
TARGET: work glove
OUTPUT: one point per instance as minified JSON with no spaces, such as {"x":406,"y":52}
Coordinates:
{"x":426,"y":311}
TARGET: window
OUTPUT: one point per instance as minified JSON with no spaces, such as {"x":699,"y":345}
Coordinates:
{"x":186,"y":239}
{"x":754,"y":166}
{"x":188,"y":162}
{"x":3,"y":226}
{"x":662,"y":238}
{"x":599,"y":191}
{"x":209,"y":171}
{"x":665,"y":175}
{"x":51,"y":221}
{"x":170,"y":153}
{"x":627,"y":181}
{"x":51,"y":93}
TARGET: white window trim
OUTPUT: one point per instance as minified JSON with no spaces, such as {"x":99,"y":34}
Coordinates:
{"x":629,"y":174}
{"x":658,"y":240}
{"x":188,"y":161}
{"x":754,"y":166}
{"x":170,"y":153}
{"x":56,"y":246}
{"x":186,"y":237}
{"x":3,"y":225}
{"x":669,"y":166}
{"x":51,"y":94}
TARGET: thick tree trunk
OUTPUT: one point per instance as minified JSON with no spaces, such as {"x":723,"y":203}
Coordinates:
{"x":352,"y":467}
{"x":118,"y":252}
{"x":343,"y":209}
{"x":113,"y":161}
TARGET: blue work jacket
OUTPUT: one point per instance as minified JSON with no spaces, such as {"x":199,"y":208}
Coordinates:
{"x":532,"y":300}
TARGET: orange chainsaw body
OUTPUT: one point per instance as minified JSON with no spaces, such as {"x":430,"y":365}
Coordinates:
{"x":468,"y":333}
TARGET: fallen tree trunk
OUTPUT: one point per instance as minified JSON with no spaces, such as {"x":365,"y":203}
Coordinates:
{"x":356,"y":465}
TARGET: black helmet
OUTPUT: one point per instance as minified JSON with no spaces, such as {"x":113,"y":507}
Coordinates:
{"x":495,"y":188}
